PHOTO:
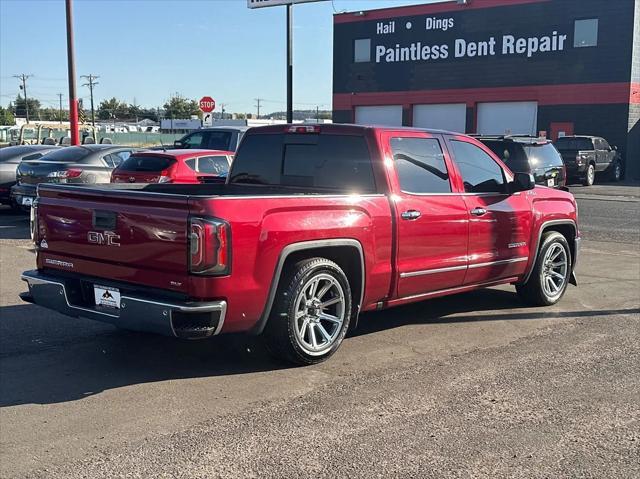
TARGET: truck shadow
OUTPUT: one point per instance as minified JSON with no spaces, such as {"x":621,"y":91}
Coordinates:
{"x":46,"y":358}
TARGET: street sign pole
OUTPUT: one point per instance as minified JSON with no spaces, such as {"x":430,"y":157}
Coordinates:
{"x":71,"y":66}
{"x":289,"y":63}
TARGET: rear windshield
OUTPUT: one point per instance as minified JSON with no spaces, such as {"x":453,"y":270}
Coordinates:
{"x":511,"y":153}
{"x":146,"y":163}
{"x":574,"y":144}
{"x":541,"y":156}
{"x":337,"y":162}
{"x":72,"y":154}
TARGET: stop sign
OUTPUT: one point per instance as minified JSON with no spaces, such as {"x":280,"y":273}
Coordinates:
{"x":207,"y":104}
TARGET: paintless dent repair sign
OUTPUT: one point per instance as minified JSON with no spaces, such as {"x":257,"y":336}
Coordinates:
{"x":275,"y":3}
{"x":491,"y":46}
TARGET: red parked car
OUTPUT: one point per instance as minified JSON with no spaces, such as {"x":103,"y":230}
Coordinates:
{"x":315,"y":225}
{"x":173,"y":166}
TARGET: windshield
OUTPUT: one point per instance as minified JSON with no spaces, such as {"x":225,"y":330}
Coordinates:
{"x":146,"y":163}
{"x":541,"y":156}
{"x":567,"y":143}
{"x":72,"y":154}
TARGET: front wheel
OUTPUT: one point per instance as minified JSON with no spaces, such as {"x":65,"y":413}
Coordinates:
{"x":550,"y":277}
{"x":311,"y":312}
{"x":590,"y":176}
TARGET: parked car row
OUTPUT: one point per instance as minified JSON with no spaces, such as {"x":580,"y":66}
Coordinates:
{"x":199,"y":157}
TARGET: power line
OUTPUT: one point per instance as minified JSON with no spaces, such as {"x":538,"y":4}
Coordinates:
{"x":91,"y":82}
{"x":23,"y":87}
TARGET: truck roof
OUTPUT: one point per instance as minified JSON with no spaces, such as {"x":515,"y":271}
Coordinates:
{"x":345,"y":128}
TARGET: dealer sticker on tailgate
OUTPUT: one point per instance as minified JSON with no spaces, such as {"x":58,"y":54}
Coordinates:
{"x":106,"y":296}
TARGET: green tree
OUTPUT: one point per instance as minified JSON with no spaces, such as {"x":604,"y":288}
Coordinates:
{"x":6,"y":117}
{"x":181,"y":107}
{"x":18,"y":107}
{"x":113,"y":106}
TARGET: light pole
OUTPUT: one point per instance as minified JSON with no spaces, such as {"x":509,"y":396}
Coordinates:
{"x":71,"y":65}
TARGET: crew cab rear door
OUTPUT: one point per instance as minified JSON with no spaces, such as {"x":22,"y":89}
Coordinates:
{"x":432,"y":219}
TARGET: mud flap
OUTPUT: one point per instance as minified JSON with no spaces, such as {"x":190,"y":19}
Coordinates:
{"x":573,"y":279}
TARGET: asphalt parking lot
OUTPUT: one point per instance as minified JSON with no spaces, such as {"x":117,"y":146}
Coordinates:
{"x":474,"y":385}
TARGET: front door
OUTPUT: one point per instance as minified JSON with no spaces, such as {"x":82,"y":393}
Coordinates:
{"x":432,"y":221}
{"x":499,"y":224}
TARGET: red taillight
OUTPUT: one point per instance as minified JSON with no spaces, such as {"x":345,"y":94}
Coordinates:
{"x":303,"y":129}
{"x":73,"y":172}
{"x":209,"y":246}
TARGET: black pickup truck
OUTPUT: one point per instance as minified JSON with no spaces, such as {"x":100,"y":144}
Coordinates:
{"x":584,"y":156}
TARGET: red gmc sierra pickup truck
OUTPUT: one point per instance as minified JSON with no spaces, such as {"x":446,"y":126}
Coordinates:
{"x":314,"y":225}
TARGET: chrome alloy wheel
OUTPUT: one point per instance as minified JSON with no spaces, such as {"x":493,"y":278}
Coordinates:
{"x":555,"y":268}
{"x":320,"y":314}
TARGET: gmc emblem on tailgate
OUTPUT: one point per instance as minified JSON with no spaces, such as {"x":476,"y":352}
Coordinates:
{"x":107,"y":238}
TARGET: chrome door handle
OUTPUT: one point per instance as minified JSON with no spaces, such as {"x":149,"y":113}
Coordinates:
{"x":411,"y":215}
{"x":478,"y":212}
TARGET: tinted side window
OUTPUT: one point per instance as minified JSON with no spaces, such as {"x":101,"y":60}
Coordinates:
{"x":420,"y":165}
{"x":258,"y":160}
{"x":213,"y":165}
{"x":191,"y":163}
{"x":480,"y":173}
{"x":195,"y":140}
{"x":219,"y":140}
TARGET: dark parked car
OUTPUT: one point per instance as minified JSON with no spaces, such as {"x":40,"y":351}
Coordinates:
{"x":84,"y":164}
{"x":10,"y":158}
{"x":225,"y":138}
{"x":526,"y":154}
{"x":585,"y":156}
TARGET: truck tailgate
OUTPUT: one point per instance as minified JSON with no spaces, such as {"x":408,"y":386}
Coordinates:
{"x":128,"y":236}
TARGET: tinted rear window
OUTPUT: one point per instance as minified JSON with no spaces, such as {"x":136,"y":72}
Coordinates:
{"x":73,"y":154}
{"x":574,"y":144}
{"x":511,"y":153}
{"x":338,"y":162}
{"x":543,"y":156}
{"x":146,"y":163}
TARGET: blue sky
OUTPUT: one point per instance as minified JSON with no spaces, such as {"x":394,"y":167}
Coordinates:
{"x":146,"y":50}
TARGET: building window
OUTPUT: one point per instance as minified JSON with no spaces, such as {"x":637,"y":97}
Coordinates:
{"x":362,"y":50}
{"x":585,"y":33}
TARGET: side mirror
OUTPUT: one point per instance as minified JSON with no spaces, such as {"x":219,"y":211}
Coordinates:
{"x":614,"y":148}
{"x":522,"y":182}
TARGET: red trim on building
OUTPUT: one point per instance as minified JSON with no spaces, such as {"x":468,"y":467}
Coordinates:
{"x":428,"y":9}
{"x":576,"y":94}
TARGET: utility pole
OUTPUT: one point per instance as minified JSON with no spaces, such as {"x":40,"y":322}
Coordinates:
{"x":60,"y":97}
{"x":317,"y":114}
{"x":289,"y":63}
{"x":91,"y":82}
{"x":258,"y":101}
{"x":71,"y":67}
{"x":23,"y":78}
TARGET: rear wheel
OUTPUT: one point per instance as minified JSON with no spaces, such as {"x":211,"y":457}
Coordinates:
{"x":590,"y":175}
{"x":551,"y":273}
{"x":311,"y":312}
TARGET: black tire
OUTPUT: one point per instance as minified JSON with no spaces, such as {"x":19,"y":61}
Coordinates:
{"x":589,"y":175}
{"x":282,"y":334}
{"x":533,"y":291}
{"x":615,"y":173}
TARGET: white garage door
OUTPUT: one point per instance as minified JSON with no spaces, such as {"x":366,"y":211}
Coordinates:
{"x":508,"y":118}
{"x":390,"y":115}
{"x":451,"y":116}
